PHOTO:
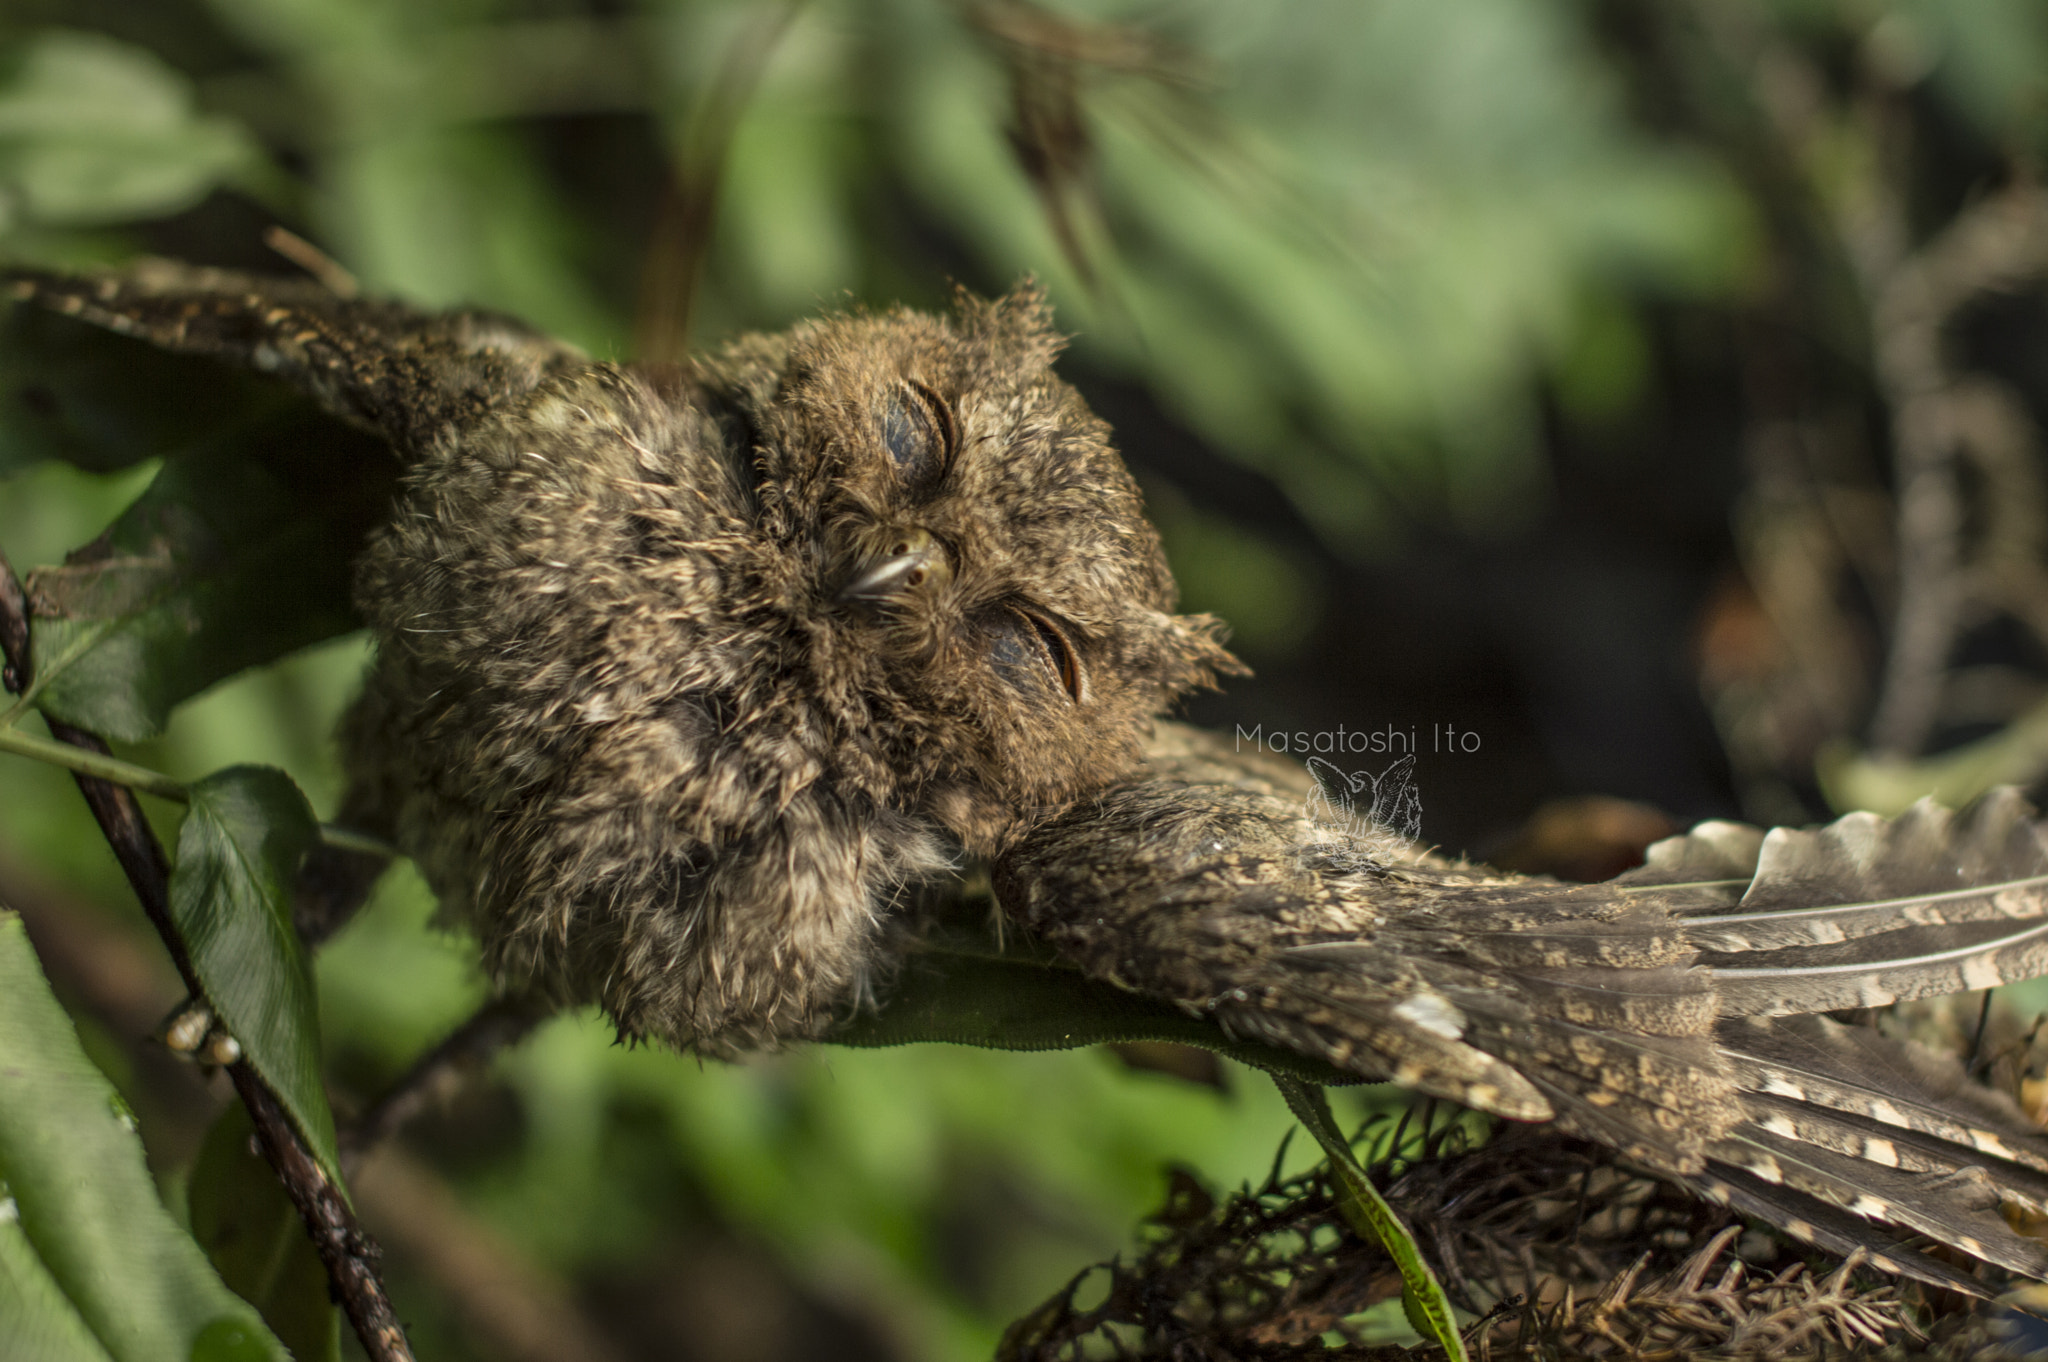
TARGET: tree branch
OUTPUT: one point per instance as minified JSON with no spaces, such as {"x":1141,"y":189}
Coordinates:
{"x":347,"y":1252}
{"x":498,"y":1023}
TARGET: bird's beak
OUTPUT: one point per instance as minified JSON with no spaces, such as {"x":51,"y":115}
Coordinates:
{"x":910,"y":558}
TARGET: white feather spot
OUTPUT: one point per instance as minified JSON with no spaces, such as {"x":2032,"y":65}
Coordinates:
{"x":1782,"y":1125}
{"x":1777,"y":1085}
{"x":1986,"y":1143}
{"x":1870,"y":1208}
{"x":1884,"y":1111}
{"x":1880,"y":1151}
{"x":1766,"y":1167}
{"x":1980,"y":971}
{"x":1434,"y":1014}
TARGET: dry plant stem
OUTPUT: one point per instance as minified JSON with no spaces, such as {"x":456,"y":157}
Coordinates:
{"x":345,"y":1249}
{"x":348,"y":1254}
{"x":689,"y":205}
{"x":498,"y":1023}
{"x":1997,"y":244}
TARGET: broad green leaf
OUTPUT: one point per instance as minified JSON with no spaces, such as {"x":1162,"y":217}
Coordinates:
{"x":249,"y":1228}
{"x":237,"y":554}
{"x":91,"y":1264}
{"x":93,"y":130}
{"x":1367,"y":1212}
{"x":86,"y":396}
{"x":244,"y":834}
{"x":1014,"y":1002}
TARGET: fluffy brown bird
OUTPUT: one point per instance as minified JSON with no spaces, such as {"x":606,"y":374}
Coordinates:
{"x":685,"y":678}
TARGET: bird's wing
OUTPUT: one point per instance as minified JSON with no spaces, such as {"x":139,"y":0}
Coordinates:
{"x":404,"y":374}
{"x":1660,"y":1014}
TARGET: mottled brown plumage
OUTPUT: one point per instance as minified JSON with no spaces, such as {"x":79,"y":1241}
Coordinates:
{"x":685,"y":678}
{"x":1665,"y":1014}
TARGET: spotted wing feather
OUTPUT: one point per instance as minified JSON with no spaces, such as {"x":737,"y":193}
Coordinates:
{"x":404,"y":374}
{"x":1529,"y":999}
{"x":1662,"y":1014}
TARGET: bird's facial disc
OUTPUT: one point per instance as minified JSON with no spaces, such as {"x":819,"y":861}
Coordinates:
{"x":979,"y":573}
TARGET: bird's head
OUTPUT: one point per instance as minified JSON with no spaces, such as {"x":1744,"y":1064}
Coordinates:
{"x":978,"y":578}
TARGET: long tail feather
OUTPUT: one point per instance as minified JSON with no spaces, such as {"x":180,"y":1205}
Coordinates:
{"x":1853,"y":1069}
{"x":1828,"y":1227}
{"x":1959,"y":1209}
{"x":1859,"y":1137}
{"x":1932,"y":962}
{"x":1664,"y":1014}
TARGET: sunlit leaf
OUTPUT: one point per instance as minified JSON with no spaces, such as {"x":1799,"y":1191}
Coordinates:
{"x":446,"y":217}
{"x":241,"y":843}
{"x":1422,"y":1295}
{"x":1386,"y":227}
{"x":249,"y":1228}
{"x":91,"y":1265}
{"x":94,"y":130}
{"x":237,"y":554}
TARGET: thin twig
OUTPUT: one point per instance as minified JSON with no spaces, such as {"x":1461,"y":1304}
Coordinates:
{"x":348,"y":1254}
{"x":92,"y":761}
{"x":513,"y":1308}
{"x":498,"y":1023}
{"x":325,"y":269}
{"x":95,"y":761}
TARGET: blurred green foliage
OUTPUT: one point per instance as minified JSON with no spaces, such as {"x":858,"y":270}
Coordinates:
{"x":1347,"y":244}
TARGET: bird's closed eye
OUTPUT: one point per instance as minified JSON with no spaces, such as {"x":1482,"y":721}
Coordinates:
{"x":919,"y":432}
{"x":1029,"y":648}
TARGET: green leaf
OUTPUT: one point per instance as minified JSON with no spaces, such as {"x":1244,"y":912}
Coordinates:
{"x":86,"y":396}
{"x":243,"y":837}
{"x":963,"y":996}
{"x":91,"y":1264}
{"x":238,"y":553}
{"x":93,"y":130}
{"x":1422,"y":1296}
{"x":249,"y":1228}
